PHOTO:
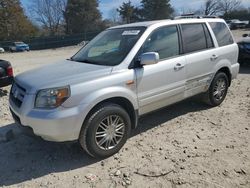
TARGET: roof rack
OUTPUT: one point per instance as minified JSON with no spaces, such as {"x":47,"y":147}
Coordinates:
{"x":191,"y":15}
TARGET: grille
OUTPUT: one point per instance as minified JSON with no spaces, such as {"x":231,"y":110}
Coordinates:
{"x":17,"y":94}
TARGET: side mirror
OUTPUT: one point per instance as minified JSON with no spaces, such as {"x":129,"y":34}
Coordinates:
{"x":149,"y":58}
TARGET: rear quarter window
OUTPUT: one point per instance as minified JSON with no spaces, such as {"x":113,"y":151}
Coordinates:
{"x":222,"y":33}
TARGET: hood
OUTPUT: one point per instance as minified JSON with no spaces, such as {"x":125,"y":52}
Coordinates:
{"x":60,"y":74}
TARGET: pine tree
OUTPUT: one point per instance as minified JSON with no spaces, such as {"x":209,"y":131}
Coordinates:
{"x":82,"y":16}
{"x":128,"y":12}
{"x":156,"y":10}
{"x":13,"y":22}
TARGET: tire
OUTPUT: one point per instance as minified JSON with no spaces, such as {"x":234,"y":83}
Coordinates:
{"x":97,"y":131}
{"x":220,"y":85}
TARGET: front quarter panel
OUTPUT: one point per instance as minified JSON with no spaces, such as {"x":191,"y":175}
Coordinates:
{"x":98,"y":90}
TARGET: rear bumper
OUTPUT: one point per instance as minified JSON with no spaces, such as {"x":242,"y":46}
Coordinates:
{"x":6,"y":81}
{"x":235,"y":68}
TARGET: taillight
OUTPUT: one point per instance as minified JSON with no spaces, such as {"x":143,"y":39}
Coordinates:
{"x":9,"y":71}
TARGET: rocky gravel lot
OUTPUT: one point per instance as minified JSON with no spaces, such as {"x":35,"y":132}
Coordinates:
{"x":185,"y":145}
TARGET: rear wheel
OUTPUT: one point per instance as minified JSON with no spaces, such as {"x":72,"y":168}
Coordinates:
{"x":105,"y":131}
{"x":217,"y":90}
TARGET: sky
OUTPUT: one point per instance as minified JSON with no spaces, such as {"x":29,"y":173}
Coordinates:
{"x":106,"y":6}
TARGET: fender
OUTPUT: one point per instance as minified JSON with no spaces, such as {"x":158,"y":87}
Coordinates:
{"x":224,"y":63}
{"x":91,"y":100}
{"x":110,"y":92}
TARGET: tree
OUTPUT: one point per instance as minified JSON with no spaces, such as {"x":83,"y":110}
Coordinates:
{"x":156,"y":10}
{"x":212,"y":7}
{"x":227,"y":6}
{"x":128,"y":12}
{"x":13,"y":22}
{"x":242,"y":14}
{"x":82,"y":16}
{"x":49,"y":13}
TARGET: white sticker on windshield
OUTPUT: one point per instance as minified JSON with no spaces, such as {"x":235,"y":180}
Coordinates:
{"x":131,"y":32}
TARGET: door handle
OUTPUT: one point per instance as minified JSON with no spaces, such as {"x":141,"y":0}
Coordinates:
{"x":214,"y":57}
{"x":178,"y":66}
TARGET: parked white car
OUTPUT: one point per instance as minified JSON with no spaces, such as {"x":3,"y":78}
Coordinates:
{"x":237,"y":24}
{"x":126,"y":71}
{"x":1,"y":50}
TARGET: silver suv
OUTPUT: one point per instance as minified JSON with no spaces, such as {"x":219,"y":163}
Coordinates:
{"x":97,"y":95}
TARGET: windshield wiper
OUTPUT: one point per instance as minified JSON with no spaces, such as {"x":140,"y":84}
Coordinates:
{"x":83,"y":61}
{"x":86,"y":61}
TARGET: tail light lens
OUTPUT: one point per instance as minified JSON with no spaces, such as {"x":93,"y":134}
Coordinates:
{"x":10,"y":71}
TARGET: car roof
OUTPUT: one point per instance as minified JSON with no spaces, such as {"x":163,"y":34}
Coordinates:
{"x":168,"y":22}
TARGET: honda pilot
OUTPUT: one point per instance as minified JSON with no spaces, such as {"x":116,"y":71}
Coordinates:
{"x":97,"y":95}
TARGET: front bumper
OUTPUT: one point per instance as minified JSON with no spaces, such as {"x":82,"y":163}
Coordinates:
{"x":59,"y":125}
{"x":5,"y":81}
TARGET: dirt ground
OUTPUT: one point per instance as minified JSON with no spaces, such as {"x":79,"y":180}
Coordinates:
{"x":185,"y":145}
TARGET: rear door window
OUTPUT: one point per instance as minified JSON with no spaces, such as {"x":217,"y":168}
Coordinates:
{"x":194,"y":38}
{"x":222,"y":33}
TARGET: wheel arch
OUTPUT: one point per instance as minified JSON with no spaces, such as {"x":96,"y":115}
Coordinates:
{"x":125,"y":103}
{"x":227,"y":71}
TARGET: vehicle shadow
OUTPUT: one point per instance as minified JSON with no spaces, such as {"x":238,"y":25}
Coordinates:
{"x":163,"y":115}
{"x":245,"y":68}
{"x":3,"y":92}
{"x":25,"y":158}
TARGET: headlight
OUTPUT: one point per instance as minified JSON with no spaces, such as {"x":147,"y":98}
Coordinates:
{"x":52,"y":98}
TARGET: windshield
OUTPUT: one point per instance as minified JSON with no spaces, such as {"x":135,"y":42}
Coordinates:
{"x":18,"y":43}
{"x":110,"y":47}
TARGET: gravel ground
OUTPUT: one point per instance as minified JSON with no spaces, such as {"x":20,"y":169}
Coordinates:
{"x":185,"y":145}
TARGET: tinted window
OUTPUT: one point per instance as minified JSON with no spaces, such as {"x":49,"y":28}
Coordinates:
{"x":164,"y":41}
{"x":193,"y":37}
{"x":210,"y":43}
{"x":222,"y":33}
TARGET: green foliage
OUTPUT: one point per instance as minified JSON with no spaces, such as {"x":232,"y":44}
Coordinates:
{"x":128,"y":12}
{"x":156,"y":10}
{"x":14,"y":25}
{"x":82,"y":16}
{"x":149,"y":10}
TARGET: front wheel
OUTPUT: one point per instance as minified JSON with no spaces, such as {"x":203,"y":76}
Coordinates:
{"x":217,"y":90}
{"x":105,"y":131}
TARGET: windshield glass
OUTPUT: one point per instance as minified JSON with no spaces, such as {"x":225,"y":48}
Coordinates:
{"x":18,"y":43}
{"x":110,"y":47}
